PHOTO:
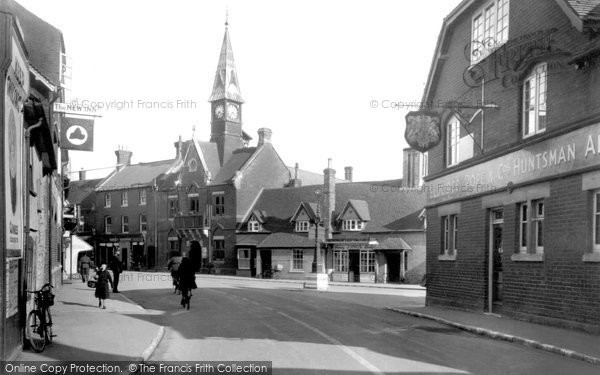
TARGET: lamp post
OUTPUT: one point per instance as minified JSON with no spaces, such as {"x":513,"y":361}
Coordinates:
{"x":317,"y":254}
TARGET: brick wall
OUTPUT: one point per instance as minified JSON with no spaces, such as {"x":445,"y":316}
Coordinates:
{"x":460,"y":283}
{"x":578,"y":90}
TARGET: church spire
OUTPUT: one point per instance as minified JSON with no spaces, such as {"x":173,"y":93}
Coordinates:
{"x":226,"y":84}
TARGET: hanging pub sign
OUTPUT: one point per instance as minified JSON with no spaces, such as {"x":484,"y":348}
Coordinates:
{"x":77,"y":134}
{"x":423,"y":130}
{"x":16,"y":87}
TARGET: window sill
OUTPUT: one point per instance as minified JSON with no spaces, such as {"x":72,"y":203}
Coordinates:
{"x":527,"y":257}
{"x":447,"y":257}
{"x":591,"y":257}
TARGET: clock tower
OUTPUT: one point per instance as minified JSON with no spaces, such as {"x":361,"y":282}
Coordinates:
{"x":226,"y":104}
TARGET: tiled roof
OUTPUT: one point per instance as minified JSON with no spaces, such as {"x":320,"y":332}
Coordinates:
{"x":586,"y":9}
{"x":233,"y":165}
{"x":393,"y":243}
{"x":43,"y":41}
{"x":390,"y":209}
{"x":210,"y":154}
{"x":79,"y":190}
{"x":142,"y":174}
{"x":250,"y":239}
{"x":286,"y":240}
{"x":362,"y":209}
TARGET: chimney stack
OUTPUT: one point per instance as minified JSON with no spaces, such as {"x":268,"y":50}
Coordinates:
{"x":295,"y":182}
{"x":328,"y":199}
{"x":264,"y":136}
{"x":123,"y":157}
{"x":411,"y":171}
{"x":348,"y":173}
{"x":178,"y":148}
{"x":81,"y":175}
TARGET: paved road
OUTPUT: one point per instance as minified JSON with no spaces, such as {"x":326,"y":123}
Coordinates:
{"x":342,"y":331}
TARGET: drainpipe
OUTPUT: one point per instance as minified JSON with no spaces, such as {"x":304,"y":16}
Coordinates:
{"x":28,"y":178}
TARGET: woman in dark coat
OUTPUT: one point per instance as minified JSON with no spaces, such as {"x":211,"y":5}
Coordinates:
{"x":187,"y":280}
{"x":102,"y":286}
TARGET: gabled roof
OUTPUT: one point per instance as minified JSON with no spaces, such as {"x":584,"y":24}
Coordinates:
{"x":309,"y":208}
{"x":360,"y":207}
{"x":209,"y":156}
{"x":258,"y":215}
{"x":234,"y":164}
{"x":286,"y":240}
{"x":142,"y":174}
{"x":579,"y":12}
{"x":43,"y":41}
{"x":391,"y":210}
{"x":226,"y":84}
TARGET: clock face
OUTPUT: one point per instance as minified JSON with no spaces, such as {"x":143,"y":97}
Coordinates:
{"x":232,"y":112}
{"x":219,"y":111}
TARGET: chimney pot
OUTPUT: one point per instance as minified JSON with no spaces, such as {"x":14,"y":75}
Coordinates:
{"x":81,"y":174}
{"x":348,"y":173}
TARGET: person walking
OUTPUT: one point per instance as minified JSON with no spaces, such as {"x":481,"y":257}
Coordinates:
{"x":84,"y":267}
{"x":187,"y":281}
{"x":173,"y":266}
{"x":102,"y":286}
{"x":117,"y":267}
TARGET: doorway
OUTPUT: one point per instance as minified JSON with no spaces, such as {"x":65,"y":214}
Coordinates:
{"x":354,"y":266}
{"x":495,"y":276}
{"x":394,"y":269}
{"x":265,"y":263}
{"x":195,"y":255}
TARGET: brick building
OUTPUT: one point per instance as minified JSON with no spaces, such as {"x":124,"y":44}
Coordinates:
{"x":31,"y":188}
{"x":194,"y":202}
{"x":513,"y":208}
{"x":366,"y":231}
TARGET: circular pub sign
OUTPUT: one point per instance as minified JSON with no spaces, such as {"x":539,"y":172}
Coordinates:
{"x":423,"y":130}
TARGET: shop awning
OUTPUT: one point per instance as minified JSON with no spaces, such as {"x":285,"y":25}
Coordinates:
{"x":71,"y":256}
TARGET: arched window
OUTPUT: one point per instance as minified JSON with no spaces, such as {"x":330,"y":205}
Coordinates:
{"x":534,"y":101}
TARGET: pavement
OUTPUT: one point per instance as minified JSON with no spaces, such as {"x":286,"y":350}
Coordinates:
{"x":85,"y":332}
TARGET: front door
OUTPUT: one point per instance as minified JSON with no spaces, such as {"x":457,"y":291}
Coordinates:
{"x":265,"y":260}
{"x":354,"y":266}
{"x":495,"y":280}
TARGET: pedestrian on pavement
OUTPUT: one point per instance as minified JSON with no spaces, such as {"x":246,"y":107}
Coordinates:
{"x":173,"y":266}
{"x":187,"y":280}
{"x":117,"y":267}
{"x":84,"y":267}
{"x":102,"y":286}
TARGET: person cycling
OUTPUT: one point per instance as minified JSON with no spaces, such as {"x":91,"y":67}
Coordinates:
{"x":173,"y":265}
{"x":187,"y":281}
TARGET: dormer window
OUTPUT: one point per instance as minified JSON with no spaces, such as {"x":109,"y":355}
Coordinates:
{"x":302,"y":226}
{"x":489,"y":29}
{"x":352,"y":225}
{"x":254,"y":225}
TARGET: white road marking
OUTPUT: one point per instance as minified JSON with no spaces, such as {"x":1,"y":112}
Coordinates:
{"x":337,"y":343}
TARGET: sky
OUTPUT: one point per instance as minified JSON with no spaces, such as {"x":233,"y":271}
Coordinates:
{"x":329,"y":78}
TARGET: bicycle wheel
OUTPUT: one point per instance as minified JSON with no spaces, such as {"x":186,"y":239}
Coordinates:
{"x":188,"y":296}
{"x":49,"y":334}
{"x":35,"y":331}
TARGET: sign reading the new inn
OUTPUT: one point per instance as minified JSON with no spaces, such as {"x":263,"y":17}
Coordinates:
{"x":77,"y":134}
{"x":570,"y":152}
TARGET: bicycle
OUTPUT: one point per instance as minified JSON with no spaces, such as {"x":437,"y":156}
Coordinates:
{"x":39,"y":320}
{"x":176,"y":284}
